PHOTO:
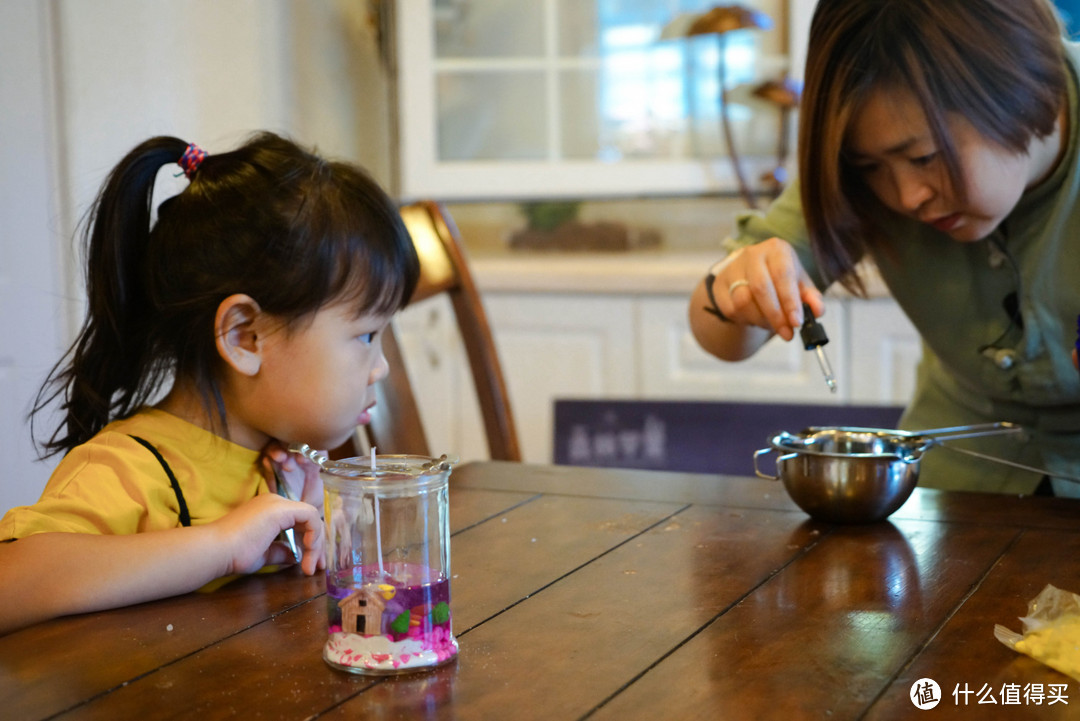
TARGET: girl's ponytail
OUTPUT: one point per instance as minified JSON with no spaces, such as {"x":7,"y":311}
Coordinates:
{"x":110,"y":369}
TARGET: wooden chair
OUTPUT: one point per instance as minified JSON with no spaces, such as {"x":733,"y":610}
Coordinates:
{"x":443,"y":269}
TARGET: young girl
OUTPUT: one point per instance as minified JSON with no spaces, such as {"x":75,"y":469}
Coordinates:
{"x":938,"y":138}
{"x":257,"y":298}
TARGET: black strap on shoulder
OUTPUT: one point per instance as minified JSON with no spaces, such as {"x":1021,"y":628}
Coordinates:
{"x":185,"y":517}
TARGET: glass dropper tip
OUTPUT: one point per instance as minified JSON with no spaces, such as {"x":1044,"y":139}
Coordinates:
{"x":826,"y":369}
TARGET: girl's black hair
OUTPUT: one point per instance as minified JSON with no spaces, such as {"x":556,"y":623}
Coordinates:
{"x":270,"y":219}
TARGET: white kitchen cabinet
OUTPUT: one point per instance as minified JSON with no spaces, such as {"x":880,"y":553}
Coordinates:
{"x":550,"y":345}
{"x":553,"y":346}
{"x":638,"y":346}
{"x":884,"y":351}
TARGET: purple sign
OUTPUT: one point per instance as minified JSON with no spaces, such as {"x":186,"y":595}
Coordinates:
{"x":696,"y":436}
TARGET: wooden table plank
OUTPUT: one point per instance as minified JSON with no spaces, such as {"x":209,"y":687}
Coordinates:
{"x":135,"y":640}
{"x":730,"y":491}
{"x":966,"y":652}
{"x":824,"y":637}
{"x":469,"y":506}
{"x":991,"y":509}
{"x":741,"y":492}
{"x":504,"y":559}
{"x":100,"y":651}
{"x":563,"y":651}
{"x":516,"y":554}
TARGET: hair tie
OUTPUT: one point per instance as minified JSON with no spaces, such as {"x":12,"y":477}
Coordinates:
{"x":192,"y":159}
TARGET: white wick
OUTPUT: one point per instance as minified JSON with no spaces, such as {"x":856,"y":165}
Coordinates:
{"x":378,"y":530}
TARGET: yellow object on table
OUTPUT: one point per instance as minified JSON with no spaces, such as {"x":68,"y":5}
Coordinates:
{"x":1051,"y":631}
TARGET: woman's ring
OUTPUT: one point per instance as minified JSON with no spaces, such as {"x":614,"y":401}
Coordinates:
{"x":737,"y":284}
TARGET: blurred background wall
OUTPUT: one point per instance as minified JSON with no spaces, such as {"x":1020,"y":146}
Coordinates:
{"x":83,"y":81}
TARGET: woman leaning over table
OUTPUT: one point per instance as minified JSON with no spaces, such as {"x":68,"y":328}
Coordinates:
{"x":939,"y":139}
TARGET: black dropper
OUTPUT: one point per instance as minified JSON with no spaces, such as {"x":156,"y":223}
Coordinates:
{"x":814,"y":338}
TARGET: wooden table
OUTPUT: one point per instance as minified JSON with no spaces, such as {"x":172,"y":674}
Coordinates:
{"x":612,"y":594}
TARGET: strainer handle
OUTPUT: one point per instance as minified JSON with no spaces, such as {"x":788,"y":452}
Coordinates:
{"x":1014,"y":464}
{"x":937,"y":435}
{"x":757,"y":470}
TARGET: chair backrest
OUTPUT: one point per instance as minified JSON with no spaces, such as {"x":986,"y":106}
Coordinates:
{"x":443,"y":269}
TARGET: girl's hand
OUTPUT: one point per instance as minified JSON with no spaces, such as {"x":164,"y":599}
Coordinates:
{"x":765,"y":285}
{"x":297,"y":472}
{"x":249,"y":534}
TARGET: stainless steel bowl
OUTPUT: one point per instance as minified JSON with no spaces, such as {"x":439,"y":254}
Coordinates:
{"x":857,"y":475}
{"x":844,"y":479}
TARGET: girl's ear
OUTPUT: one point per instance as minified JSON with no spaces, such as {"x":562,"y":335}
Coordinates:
{"x":234,"y":331}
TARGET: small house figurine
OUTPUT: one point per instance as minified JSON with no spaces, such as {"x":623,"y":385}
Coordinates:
{"x":361,"y":611}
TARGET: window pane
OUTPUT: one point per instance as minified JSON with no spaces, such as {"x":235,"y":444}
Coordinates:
{"x":614,"y":85}
{"x":662,"y":99}
{"x":578,"y":28}
{"x":749,"y":118}
{"x":583,"y":131}
{"x":492,"y":116}
{"x":488,"y":28}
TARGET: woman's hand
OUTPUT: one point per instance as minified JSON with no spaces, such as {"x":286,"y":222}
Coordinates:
{"x":765,"y":285}
{"x":760,"y":289}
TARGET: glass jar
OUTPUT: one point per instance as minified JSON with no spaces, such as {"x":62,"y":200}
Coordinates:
{"x":388,"y":564}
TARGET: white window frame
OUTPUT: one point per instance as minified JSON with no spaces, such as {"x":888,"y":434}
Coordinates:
{"x":422,"y":175}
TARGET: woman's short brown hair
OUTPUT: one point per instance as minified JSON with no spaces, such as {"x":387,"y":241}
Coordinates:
{"x":998,"y":63}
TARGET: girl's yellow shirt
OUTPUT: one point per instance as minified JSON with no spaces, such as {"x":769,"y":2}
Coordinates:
{"x":113,"y":485}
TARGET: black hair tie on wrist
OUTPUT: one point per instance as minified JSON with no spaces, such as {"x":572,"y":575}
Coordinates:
{"x":713,"y":308}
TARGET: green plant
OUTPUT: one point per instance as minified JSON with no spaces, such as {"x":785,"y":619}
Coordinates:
{"x":549,"y":215}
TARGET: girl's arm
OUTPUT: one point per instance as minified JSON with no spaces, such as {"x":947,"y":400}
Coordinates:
{"x":56,"y":574}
